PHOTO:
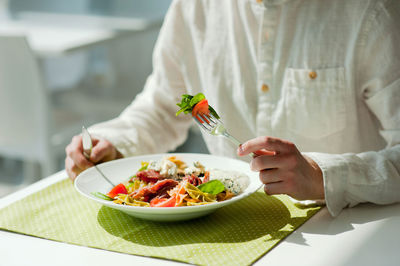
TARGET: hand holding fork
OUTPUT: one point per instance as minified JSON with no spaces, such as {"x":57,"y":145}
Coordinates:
{"x":214,"y":126}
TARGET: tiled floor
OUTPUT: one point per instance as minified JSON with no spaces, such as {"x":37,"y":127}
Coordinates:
{"x":11,"y":171}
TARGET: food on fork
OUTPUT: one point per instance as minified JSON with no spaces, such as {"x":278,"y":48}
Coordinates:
{"x":197,"y":105}
{"x":205,"y":116}
{"x":171,"y":183}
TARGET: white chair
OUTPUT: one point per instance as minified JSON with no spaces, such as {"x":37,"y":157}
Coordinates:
{"x":31,"y":129}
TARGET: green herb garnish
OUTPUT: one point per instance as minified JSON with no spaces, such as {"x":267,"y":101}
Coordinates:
{"x":130,"y":183}
{"x":101,"y":196}
{"x":212,"y":187}
{"x":144,"y":166}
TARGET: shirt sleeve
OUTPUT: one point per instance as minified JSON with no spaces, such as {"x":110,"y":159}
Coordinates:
{"x":372,"y":176}
{"x":148,"y":124}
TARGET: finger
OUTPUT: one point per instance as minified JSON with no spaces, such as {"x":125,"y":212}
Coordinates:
{"x":75,"y":145}
{"x":75,"y":152}
{"x":259,"y":152}
{"x":95,"y":141}
{"x":71,"y":168}
{"x":68,"y":169}
{"x":264,"y":152}
{"x":81,"y":161}
{"x":270,"y":176}
{"x":264,"y":143}
{"x":102,"y":151}
{"x":275,"y":188}
{"x":266,"y":162}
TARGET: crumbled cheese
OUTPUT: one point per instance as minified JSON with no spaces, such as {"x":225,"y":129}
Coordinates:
{"x":165,"y":167}
{"x":154,"y":165}
{"x":234,"y":181}
{"x":199,"y":166}
{"x":231,"y":185}
{"x":168,"y":168}
{"x":192,"y":170}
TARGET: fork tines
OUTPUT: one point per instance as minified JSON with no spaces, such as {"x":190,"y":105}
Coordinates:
{"x":207,"y":122}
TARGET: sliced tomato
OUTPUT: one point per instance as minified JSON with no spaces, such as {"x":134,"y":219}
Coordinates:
{"x":154,"y":202}
{"x":201,"y":108}
{"x":118,"y":189}
{"x":163,"y":202}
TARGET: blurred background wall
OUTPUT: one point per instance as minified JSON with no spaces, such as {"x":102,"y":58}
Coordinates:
{"x":123,"y":64}
{"x":108,"y":73}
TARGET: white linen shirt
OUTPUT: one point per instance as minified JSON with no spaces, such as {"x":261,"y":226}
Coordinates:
{"x":323,"y":74}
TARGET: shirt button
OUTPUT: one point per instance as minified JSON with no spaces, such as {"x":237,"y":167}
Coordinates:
{"x":312,"y":74}
{"x":264,"y":88}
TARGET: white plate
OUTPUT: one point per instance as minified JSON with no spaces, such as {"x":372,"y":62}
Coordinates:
{"x":120,"y":170}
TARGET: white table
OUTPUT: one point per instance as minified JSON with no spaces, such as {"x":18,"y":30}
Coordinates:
{"x":57,"y":34}
{"x":364,"y":235}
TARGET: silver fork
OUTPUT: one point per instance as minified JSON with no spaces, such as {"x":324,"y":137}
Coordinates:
{"x":214,"y":126}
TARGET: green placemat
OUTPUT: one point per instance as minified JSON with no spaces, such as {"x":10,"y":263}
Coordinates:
{"x":237,"y":234}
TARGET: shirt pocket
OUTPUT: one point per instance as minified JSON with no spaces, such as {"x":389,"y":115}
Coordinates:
{"x":315,"y":101}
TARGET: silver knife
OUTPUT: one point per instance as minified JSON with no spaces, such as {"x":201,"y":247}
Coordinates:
{"x":87,"y":149}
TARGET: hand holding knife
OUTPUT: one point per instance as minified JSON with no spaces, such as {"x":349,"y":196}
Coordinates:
{"x":87,"y":149}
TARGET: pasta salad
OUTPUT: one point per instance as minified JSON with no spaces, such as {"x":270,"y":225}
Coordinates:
{"x":170,"y":182}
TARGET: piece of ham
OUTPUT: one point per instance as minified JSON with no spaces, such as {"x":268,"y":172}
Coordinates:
{"x":193,"y":179}
{"x":158,"y":189}
{"x":149,"y":176}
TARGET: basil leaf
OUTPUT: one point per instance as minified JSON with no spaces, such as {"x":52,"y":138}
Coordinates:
{"x":197,"y":98}
{"x":101,"y":196}
{"x":187,"y":96}
{"x":185,"y":104}
{"x":180,"y":111}
{"x":212,"y":187}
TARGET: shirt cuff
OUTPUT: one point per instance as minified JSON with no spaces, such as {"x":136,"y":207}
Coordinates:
{"x":334,"y":171}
